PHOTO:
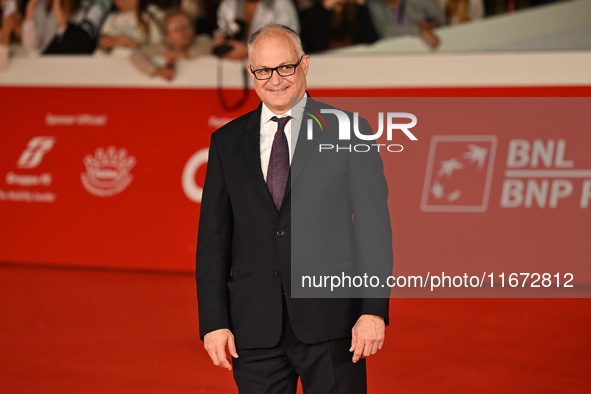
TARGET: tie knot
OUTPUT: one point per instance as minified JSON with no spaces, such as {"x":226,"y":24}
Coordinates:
{"x":281,"y":122}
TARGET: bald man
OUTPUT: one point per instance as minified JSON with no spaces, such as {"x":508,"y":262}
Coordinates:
{"x":261,"y":166}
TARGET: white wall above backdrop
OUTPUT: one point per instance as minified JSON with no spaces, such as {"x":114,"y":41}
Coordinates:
{"x":543,"y":46}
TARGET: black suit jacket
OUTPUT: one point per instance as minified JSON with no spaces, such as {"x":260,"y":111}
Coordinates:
{"x":334,"y":215}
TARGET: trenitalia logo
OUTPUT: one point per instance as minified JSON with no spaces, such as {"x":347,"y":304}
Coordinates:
{"x":344,"y":132}
{"x":36,"y":149}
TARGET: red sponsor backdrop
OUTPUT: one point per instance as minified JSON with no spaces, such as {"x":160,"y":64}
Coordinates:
{"x":62,"y":202}
{"x":151,"y":224}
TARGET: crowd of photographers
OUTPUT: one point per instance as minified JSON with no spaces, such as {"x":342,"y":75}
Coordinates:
{"x":154,"y":34}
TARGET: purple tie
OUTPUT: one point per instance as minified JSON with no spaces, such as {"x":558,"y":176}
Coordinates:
{"x":278,"y":170}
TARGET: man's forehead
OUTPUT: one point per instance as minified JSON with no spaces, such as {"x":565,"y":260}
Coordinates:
{"x":274,"y":61}
{"x":276,"y":48}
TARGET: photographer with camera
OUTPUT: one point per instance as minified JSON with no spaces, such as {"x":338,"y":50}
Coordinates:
{"x":63,"y":26}
{"x":238,"y":19}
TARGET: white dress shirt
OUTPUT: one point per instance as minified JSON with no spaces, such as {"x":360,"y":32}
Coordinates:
{"x":269,"y":128}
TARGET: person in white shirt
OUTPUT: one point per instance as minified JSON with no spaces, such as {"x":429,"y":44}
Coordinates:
{"x":158,"y":60}
{"x":131,"y":26}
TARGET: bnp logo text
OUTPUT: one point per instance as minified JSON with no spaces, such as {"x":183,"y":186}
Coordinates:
{"x":356,"y":136}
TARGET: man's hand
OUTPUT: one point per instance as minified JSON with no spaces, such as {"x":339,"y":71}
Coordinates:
{"x":430,"y":38}
{"x":124,"y":41}
{"x":238,"y":52}
{"x":218,"y":40}
{"x":172,"y":56}
{"x":368,"y":336}
{"x":166,"y":73}
{"x":215,"y":343}
{"x":106,"y":42}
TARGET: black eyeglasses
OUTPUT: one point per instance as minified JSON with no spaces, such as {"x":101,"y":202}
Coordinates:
{"x":284,"y":70}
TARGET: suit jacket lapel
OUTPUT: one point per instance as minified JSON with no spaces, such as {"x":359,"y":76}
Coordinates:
{"x":304,"y":148}
{"x":252,"y":151}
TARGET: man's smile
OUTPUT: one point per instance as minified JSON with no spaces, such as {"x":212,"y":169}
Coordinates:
{"x":277,"y":90}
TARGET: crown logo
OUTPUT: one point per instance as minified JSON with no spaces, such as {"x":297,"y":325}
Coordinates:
{"x":108,"y":171}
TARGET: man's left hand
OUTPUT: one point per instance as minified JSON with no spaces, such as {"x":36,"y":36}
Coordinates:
{"x":238,"y":52}
{"x":368,"y":336}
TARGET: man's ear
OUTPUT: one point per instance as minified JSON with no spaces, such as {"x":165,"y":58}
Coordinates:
{"x":249,"y":70}
{"x":305,"y":64}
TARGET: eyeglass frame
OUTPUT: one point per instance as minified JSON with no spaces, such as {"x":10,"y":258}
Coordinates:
{"x":276,"y":69}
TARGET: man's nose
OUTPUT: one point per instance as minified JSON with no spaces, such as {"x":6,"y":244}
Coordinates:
{"x":276,"y":78}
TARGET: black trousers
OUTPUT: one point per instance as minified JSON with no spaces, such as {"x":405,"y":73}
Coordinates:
{"x":324,"y":368}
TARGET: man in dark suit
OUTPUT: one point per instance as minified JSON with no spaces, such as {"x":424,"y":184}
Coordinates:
{"x":274,"y":209}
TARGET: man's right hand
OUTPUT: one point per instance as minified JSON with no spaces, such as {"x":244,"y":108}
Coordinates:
{"x":215,"y":343}
{"x":430,"y":38}
{"x":166,"y":73}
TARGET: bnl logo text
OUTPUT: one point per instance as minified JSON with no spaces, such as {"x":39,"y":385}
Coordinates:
{"x":539,"y":174}
{"x":345,"y":130}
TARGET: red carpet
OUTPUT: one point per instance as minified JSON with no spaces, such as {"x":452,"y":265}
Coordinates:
{"x":77,"y":331}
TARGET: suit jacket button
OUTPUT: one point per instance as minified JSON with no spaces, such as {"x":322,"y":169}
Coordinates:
{"x":276,"y":274}
{"x":280,"y":233}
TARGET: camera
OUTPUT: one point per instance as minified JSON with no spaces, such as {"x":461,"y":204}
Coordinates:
{"x":237,"y":32}
{"x":221,"y":50}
